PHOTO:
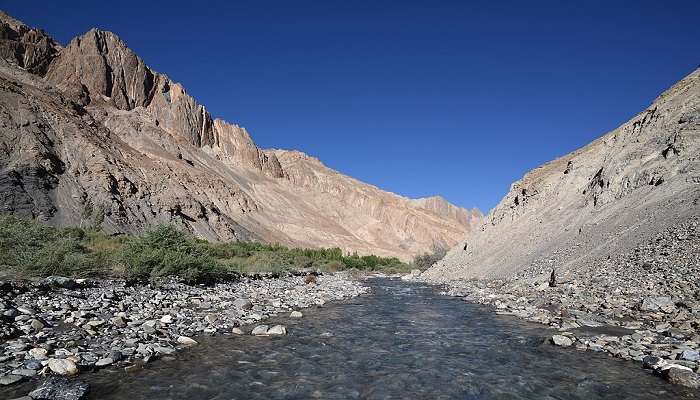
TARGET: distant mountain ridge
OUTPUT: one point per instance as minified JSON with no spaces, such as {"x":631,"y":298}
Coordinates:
{"x":90,"y":129}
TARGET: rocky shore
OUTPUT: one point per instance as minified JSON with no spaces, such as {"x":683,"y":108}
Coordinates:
{"x":643,"y":305}
{"x":65,"y":327}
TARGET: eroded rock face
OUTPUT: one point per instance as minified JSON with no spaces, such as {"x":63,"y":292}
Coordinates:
{"x":103,"y":138}
{"x":595,"y":202}
{"x":28,"y":48}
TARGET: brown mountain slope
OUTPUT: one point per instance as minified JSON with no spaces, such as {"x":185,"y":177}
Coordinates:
{"x":90,"y":129}
{"x":599,"y":201}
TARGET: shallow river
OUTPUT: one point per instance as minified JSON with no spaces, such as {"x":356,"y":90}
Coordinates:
{"x":402,"y":341}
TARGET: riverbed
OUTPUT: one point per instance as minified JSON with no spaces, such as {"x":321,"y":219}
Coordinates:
{"x":400,"y":341}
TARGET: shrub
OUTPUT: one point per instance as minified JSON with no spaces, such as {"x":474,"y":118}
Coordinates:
{"x":425,"y":261}
{"x":163,"y":251}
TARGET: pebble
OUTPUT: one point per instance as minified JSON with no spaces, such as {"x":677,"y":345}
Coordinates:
{"x":643,"y":304}
{"x":296,"y":314}
{"x":106,"y":321}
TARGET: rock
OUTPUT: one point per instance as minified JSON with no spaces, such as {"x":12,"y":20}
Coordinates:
{"x":653,"y":362}
{"x":7,"y":380}
{"x":119,"y":322}
{"x":24,"y":372}
{"x":310,"y":279}
{"x":37,"y":325}
{"x":166,"y":319}
{"x":39,"y":353}
{"x":682,"y":376}
{"x":61,"y":281}
{"x":211,"y":318}
{"x":237,"y":331}
{"x":657,"y":303}
{"x":560,"y":340}
{"x":243,"y":304}
{"x":62,"y":366}
{"x":690,"y":355}
{"x":103,"y":362}
{"x":296,"y":314}
{"x":186,"y":341}
{"x":259,"y":330}
{"x":58,"y":388}
{"x":277,"y":330}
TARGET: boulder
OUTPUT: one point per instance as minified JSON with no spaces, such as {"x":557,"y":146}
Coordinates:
{"x":277,"y":330}
{"x":243,"y":304}
{"x":657,"y":303}
{"x":560,"y":340}
{"x":57,"y":388}
{"x":259,"y":330}
{"x":186,"y":341}
{"x":682,"y":376}
{"x":62,"y":366}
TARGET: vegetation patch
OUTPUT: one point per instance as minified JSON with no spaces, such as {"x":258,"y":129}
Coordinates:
{"x":32,"y":249}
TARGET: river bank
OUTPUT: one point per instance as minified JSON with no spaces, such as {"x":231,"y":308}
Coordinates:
{"x":61,"y":326}
{"x":643,"y":305}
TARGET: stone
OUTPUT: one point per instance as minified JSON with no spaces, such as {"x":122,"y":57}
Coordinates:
{"x":103,"y":362}
{"x":186,"y":341}
{"x":61,"y":281}
{"x":656,"y":303}
{"x":243,"y":304}
{"x":119,"y":322}
{"x":690,"y":355}
{"x":39,"y":353}
{"x":37,"y":325}
{"x":682,"y":376}
{"x":296,"y":314}
{"x":166,"y":319}
{"x":260,"y":330}
{"x":237,"y":331}
{"x":277,"y":330}
{"x":7,"y":380}
{"x":62,"y":366}
{"x":211,"y":318}
{"x":560,"y":340}
{"x":24,"y":372}
{"x":59,"y":388}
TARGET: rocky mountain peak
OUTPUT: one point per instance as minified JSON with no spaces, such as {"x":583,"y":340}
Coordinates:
{"x":92,"y":127}
{"x":29,"y":48}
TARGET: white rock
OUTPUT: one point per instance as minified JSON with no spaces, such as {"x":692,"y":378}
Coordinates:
{"x":187,"y":341}
{"x":38,"y":353}
{"x":259,"y":330}
{"x":296,"y":314}
{"x":277,"y":330}
{"x":62,"y":366}
{"x":561,"y":340}
{"x":166,"y":319}
{"x":237,"y":331}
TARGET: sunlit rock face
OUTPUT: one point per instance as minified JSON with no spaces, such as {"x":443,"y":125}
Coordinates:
{"x":90,"y":129}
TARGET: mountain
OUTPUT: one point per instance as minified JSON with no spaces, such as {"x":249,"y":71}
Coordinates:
{"x":602,"y":200}
{"x":90,"y":133}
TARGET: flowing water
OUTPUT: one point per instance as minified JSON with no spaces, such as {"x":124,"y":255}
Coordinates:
{"x":402,"y":341}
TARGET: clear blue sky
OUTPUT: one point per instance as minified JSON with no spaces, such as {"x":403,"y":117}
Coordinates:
{"x":457,"y":99}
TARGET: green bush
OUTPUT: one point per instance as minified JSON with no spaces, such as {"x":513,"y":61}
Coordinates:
{"x":28,"y":248}
{"x":31,"y":249}
{"x":164,"y":251}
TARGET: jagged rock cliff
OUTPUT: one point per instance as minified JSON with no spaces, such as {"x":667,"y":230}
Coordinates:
{"x":597,"y":202}
{"x":90,"y":130}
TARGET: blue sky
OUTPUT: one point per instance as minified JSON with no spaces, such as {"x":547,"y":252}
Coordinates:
{"x":417,"y":97}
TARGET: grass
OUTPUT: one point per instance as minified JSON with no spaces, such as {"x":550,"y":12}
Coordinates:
{"x":31,"y":249}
